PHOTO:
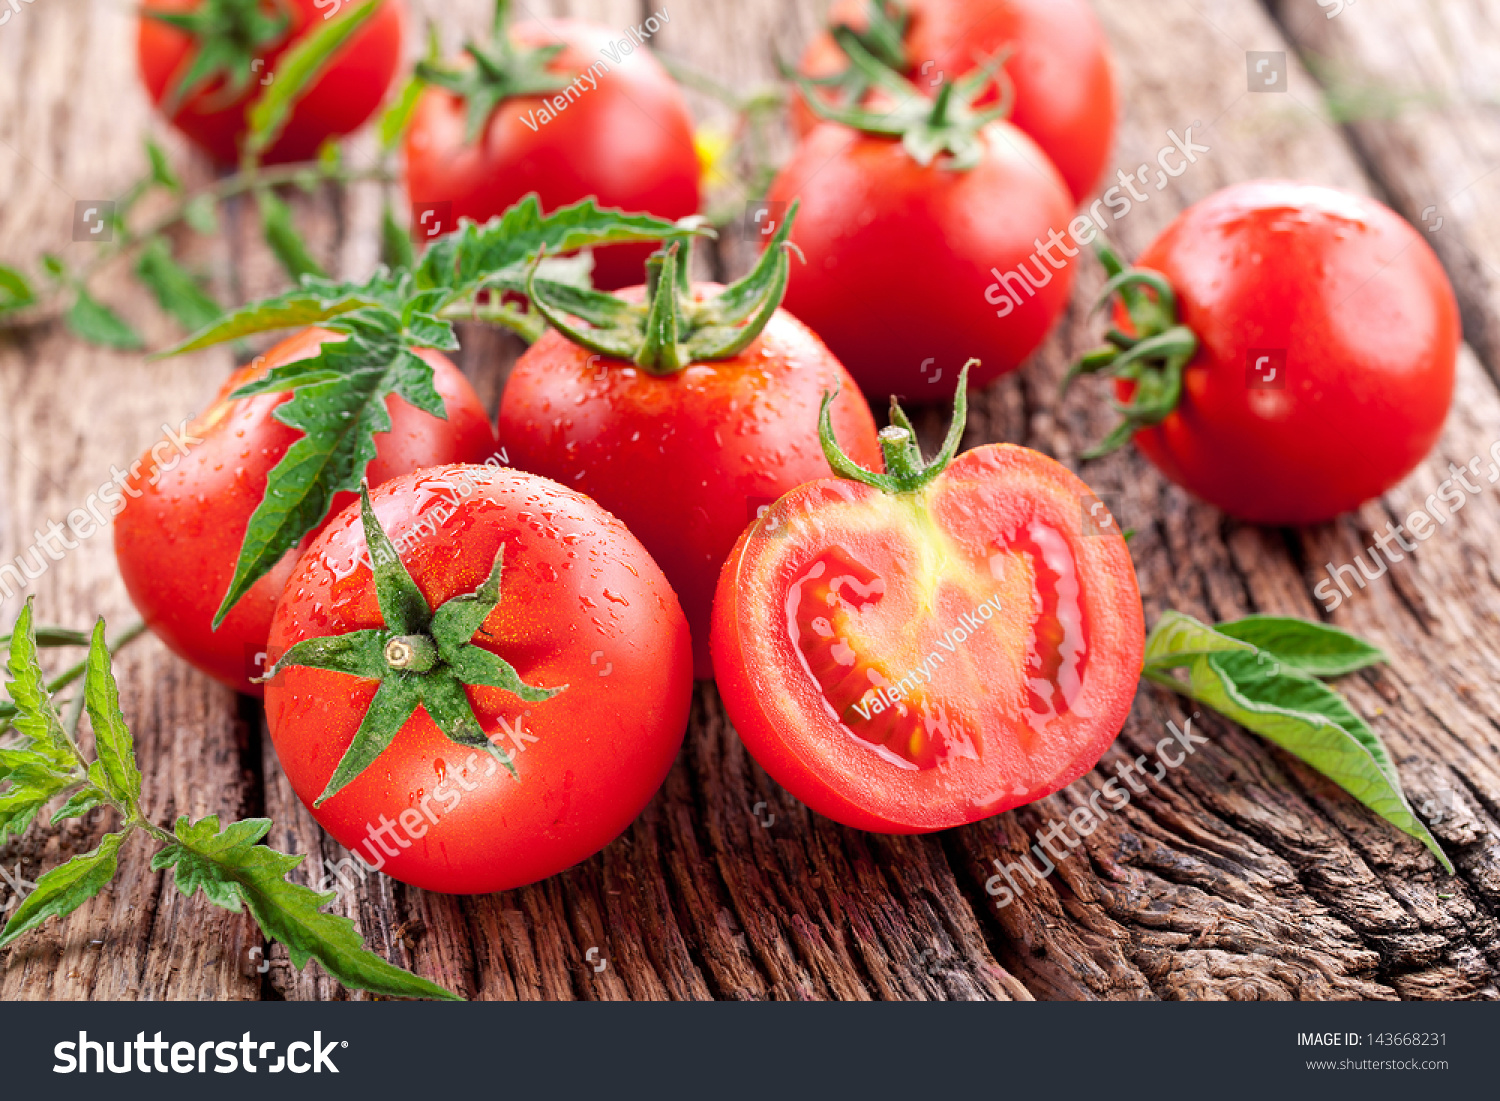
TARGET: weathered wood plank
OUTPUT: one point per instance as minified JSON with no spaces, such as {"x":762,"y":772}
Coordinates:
{"x":70,"y":115}
{"x":1416,"y":81}
{"x":1238,"y":875}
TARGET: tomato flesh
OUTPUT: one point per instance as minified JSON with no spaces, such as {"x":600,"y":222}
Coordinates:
{"x":916,"y":661}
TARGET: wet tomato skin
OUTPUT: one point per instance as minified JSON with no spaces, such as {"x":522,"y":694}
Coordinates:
{"x":179,"y":533}
{"x":686,"y":460}
{"x":868,"y":209}
{"x":1022,"y":706}
{"x":628,"y":142}
{"x":1060,"y":65}
{"x":338,"y":102}
{"x":582,"y":604}
{"x":1360,"y":308}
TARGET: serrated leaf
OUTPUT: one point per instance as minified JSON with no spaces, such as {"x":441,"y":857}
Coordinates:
{"x":202,"y":214}
{"x":1316,"y":648}
{"x":25,"y":760}
{"x":314,"y":302}
{"x":80,"y":803}
{"x":28,"y":792}
{"x":296,"y":71}
{"x":231,"y":869}
{"x":65,"y":888}
{"x":161,"y":167}
{"x":282,"y":236}
{"x":176,"y":291}
{"x":497,"y":253}
{"x":113,"y":744}
{"x":339,"y":404}
{"x":36,"y":716}
{"x":95,"y":322}
{"x":15,"y":290}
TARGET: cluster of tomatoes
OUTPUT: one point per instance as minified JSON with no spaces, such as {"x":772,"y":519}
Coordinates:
{"x":694,"y":484}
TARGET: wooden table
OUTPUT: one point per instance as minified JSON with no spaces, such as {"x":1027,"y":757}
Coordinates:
{"x":1243,"y":875}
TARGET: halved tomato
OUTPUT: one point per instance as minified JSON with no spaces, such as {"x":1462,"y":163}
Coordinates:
{"x":925,"y":648}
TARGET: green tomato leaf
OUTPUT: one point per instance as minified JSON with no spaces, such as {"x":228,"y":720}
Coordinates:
{"x":296,"y":71}
{"x":28,"y":792}
{"x":36,"y":717}
{"x":314,"y":302}
{"x":81,"y":802}
{"x":161,"y":167}
{"x":202,"y":214}
{"x":339,"y":403}
{"x":497,"y":254}
{"x":95,"y":322}
{"x":1177,"y":639}
{"x":281,"y":234}
{"x":15,"y":290}
{"x":176,"y":291}
{"x":1291,"y":708}
{"x":397,"y":117}
{"x":231,"y":870}
{"x":113,"y":744}
{"x":1316,"y":648}
{"x":65,"y":888}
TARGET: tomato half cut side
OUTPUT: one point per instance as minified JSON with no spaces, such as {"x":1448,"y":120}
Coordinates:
{"x":912,"y":661}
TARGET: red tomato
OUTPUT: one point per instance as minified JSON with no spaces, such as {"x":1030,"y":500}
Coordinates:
{"x":911,"y":661}
{"x":685,"y":459}
{"x":185,"y":515}
{"x":339,"y":101}
{"x":902,"y":258}
{"x":1349,"y":307}
{"x":581,"y":604}
{"x":1060,"y":66}
{"x":623,"y":135}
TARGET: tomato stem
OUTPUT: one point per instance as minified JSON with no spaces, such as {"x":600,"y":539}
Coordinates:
{"x":411,"y":653}
{"x":501,"y":71}
{"x":1153,"y":357}
{"x":422,"y":657}
{"x":905,"y":471}
{"x":927,"y":127}
{"x":672,"y":328}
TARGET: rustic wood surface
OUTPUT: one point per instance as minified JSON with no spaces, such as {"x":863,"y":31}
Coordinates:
{"x":1241,"y":875}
